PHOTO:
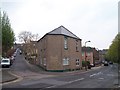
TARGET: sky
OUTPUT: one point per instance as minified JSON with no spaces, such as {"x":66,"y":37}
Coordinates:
{"x":94,"y":20}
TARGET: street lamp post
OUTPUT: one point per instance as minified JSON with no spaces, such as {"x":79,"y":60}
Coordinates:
{"x":86,"y":56}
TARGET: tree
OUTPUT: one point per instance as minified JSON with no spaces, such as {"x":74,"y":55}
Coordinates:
{"x":8,"y":36}
{"x":35,"y":37}
{"x":114,"y":50}
{"x":27,"y":36}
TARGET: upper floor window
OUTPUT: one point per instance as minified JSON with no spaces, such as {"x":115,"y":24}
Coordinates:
{"x":77,"y":46}
{"x":88,"y":53}
{"x":82,"y":53}
{"x":44,"y":61}
{"x":65,"y":42}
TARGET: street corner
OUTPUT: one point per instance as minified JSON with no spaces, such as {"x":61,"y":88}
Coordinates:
{"x":9,"y":77}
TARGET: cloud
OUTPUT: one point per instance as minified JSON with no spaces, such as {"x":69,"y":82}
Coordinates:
{"x":94,"y":20}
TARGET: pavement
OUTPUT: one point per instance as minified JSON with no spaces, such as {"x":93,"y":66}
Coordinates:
{"x":7,"y":76}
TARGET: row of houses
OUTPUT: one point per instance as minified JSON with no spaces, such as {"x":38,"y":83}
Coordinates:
{"x":59,"y":50}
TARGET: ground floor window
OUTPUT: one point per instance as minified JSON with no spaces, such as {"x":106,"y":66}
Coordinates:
{"x":65,"y":61}
{"x":41,"y":61}
{"x":77,"y":62}
{"x":44,"y":61}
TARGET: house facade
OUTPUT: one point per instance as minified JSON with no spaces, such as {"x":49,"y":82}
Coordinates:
{"x":102,"y":54}
{"x":92,"y":55}
{"x":30,"y":51}
{"x":59,"y":50}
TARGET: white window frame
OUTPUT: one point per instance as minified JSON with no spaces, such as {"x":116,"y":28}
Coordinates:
{"x":77,"y":61}
{"x":83,"y":54}
{"x":77,"y":46}
{"x":44,"y":61}
{"x":65,"y":61}
{"x":88,"y":54}
{"x":65,"y":42}
{"x":41,"y":62}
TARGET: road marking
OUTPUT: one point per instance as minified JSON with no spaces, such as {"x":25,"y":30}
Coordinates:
{"x":66,"y":83}
{"x":76,"y":80}
{"x":101,"y":78}
{"x":92,"y":75}
{"x":52,"y":86}
{"x":95,"y":74}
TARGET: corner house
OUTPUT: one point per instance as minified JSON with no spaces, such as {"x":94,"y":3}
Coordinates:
{"x":60,"y":50}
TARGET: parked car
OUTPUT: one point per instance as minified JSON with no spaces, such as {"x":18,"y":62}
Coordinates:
{"x":20,"y":52}
{"x":5,"y":62}
{"x":12,"y":59}
{"x":92,"y":65}
{"x":110,"y":62}
{"x":14,"y":54}
{"x":105,"y":63}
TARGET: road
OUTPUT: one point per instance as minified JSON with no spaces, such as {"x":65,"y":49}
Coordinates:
{"x":104,"y":77}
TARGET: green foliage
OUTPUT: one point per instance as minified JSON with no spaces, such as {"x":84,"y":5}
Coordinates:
{"x":88,"y":63}
{"x":84,"y":63}
{"x":7,"y":34}
{"x":114,"y":50}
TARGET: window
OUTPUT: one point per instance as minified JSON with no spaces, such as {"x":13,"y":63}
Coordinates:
{"x":88,"y":53}
{"x":77,"y":62}
{"x":77,"y":46}
{"x":41,"y":61}
{"x":82,"y":53}
{"x":66,"y":61}
{"x":65,"y":43}
{"x":44,"y":61}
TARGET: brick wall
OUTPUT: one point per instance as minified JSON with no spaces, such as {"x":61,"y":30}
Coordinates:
{"x":51,"y":48}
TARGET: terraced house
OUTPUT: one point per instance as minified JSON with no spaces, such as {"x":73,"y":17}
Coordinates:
{"x":92,"y":55}
{"x":60,"y":50}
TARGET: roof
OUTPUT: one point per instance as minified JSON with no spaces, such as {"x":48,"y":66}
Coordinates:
{"x":87,"y":49}
{"x":62,"y":31}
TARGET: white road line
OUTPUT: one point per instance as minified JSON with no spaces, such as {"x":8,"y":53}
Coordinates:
{"x":92,"y":75}
{"x":101,"y":78}
{"x":66,"y":83}
{"x":76,"y":80}
{"x":52,"y":86}
{"x":95,"y":74}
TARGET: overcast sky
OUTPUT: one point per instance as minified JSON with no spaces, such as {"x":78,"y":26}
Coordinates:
{"x":94,"y":20}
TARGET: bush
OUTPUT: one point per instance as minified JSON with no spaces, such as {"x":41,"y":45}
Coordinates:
{"x":84,"y":63}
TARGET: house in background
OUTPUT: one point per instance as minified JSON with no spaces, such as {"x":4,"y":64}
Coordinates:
{"x":102,"y":54}
{"x":92,"y":55}
{"x":59,"y":50}
{"x":30,"y":51}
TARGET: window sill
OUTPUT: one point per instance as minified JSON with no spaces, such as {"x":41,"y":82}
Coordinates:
{"x":66,"y":48}
{"x":65,"y":65}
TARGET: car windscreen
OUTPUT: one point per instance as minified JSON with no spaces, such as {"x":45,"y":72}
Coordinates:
{"x":5,"y":61}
